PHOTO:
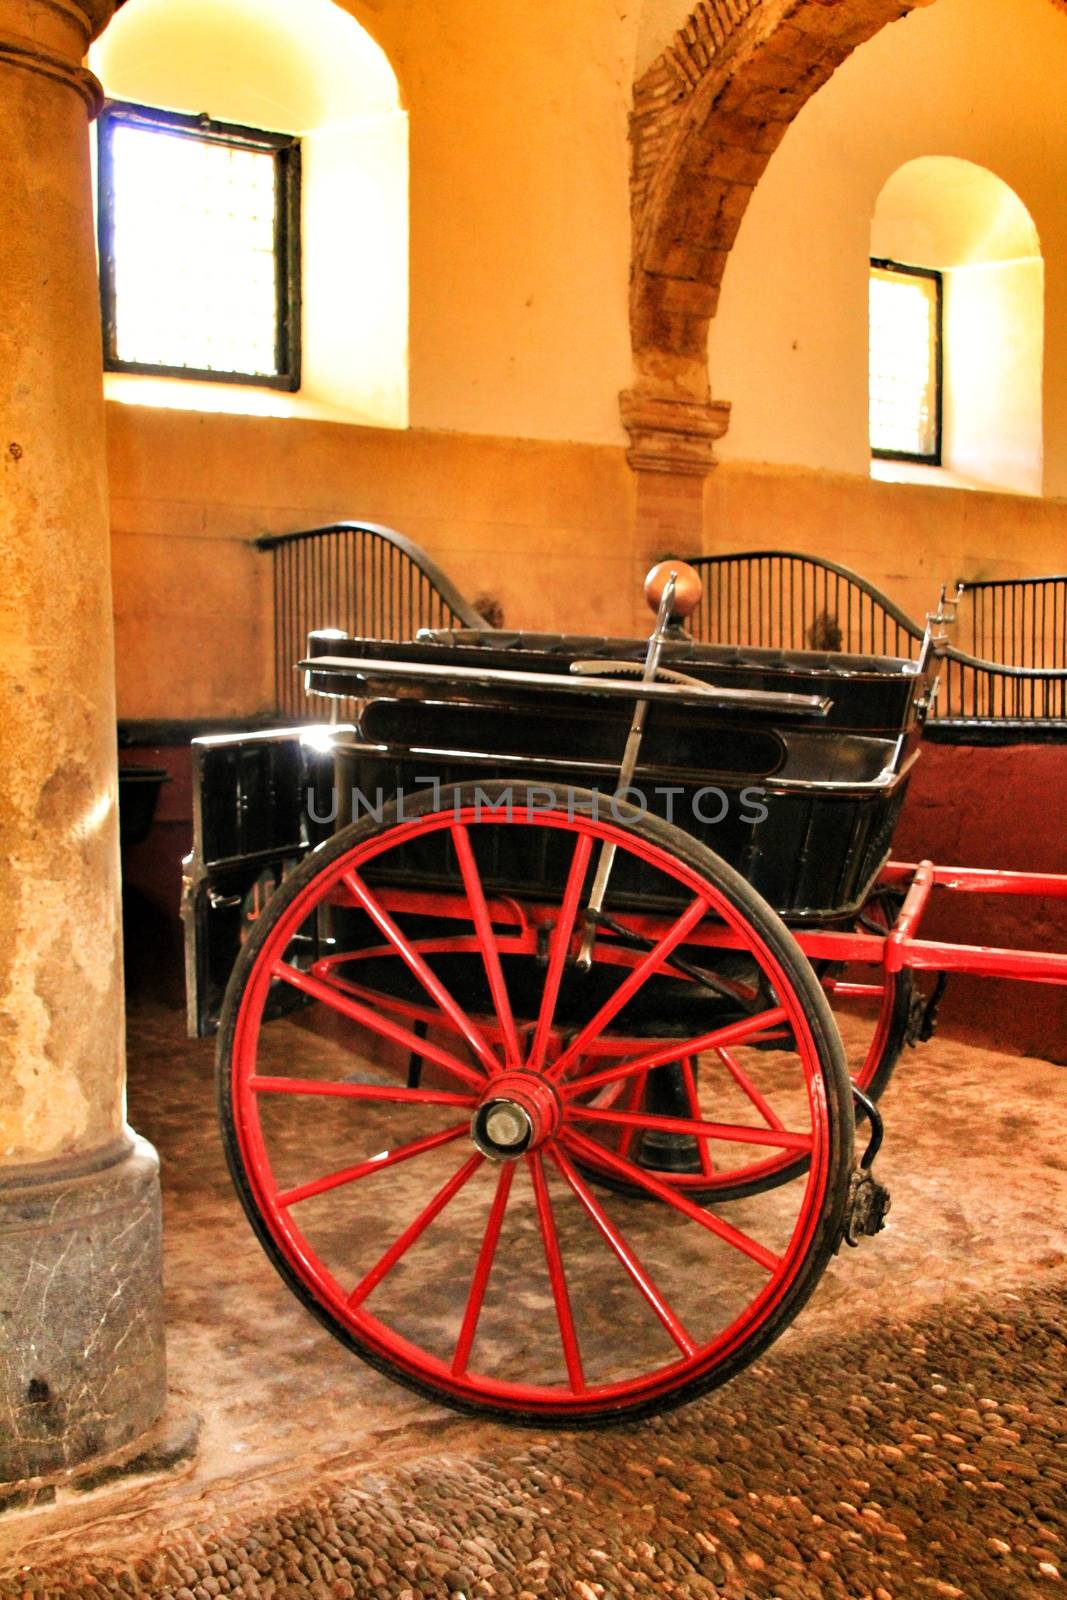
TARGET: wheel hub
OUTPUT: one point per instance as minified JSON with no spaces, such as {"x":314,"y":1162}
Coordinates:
{"x":519,"y":1112}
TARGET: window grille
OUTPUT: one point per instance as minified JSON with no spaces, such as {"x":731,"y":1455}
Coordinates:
{"x":905,"y":362}
{"x":199,"y":226}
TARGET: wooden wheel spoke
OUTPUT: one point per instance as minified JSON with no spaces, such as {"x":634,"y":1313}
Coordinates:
{"x":561,"y":939}
{"x":359,"y":1091}
{"x":422,"y":1016}
{"x":557,"y":1276}
{"x":483,"y":1267}
{"x":729,"y":1033}
{"x":483,"y":926}
{"x":378,"y":1163}
{"x":635,"y":1096}
{"x":597,"y":1154}
{"x":618,"y":1245}
{"x":418,"y":966}
{"x":697,"y":1128}
{"x":414,"y":1231}
{"x":368,"y":1017}
{"x":640,"y":975}
{"x":689,"y":1078}
{"x":744,"y":1082}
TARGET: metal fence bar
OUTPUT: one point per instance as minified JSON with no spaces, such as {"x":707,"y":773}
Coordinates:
{"x":1010,"y":658}
{"x":774,"y":598}
{"x":368,"y":580}
{"x":1017,"y":622}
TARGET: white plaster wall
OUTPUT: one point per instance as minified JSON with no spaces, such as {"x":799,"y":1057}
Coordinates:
{"x":977,"y":79}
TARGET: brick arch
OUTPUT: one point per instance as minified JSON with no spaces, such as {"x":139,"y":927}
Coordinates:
{"x":708,"y":115}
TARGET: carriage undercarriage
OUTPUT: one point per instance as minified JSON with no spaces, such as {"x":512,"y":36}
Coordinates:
{"x":555,"y":1120}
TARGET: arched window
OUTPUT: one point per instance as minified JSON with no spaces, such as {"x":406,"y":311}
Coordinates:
{"x":956,"y":330}
{"x":253,"y":192}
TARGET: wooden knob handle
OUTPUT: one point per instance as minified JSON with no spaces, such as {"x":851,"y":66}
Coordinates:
{"x":688,"y":588}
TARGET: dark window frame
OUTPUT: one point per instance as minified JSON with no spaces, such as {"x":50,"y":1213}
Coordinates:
{"x":885,"y":265}
{"x":286,"y":151}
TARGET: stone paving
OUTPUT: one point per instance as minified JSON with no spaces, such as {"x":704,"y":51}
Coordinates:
{"x":904,"y":1439}
{"x":909,"y":1460}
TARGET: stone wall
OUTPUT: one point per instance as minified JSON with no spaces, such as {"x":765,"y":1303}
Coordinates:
{"x":560,"y":533}
{"x":548,"y":529}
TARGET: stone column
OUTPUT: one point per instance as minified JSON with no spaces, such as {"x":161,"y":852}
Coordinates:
{"x":81,"y":1331}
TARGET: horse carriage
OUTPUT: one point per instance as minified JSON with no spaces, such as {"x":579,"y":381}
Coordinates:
{"x":551,"y":987}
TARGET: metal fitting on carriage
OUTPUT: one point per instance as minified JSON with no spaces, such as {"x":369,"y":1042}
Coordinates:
{"x":922,"y":1017}
{"x":934,"y":641}
{"x":518,"y":1113}
{"x":868,"y":1200}
{"x":866,"y":1207}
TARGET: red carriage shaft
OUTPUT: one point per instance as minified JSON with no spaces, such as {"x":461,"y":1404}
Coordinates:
{"x":902,"y":948}
{"x":897,"y":949}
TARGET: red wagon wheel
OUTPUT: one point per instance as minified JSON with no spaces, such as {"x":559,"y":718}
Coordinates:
{"x":442,"y":1226}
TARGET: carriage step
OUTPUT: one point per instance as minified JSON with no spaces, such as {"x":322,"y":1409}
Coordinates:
{"x":868,"y":1200}
{"x":866,"y":1208}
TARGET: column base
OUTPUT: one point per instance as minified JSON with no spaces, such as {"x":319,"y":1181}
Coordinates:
{"x":166,"y":1449}
{"x":82,"y":1359}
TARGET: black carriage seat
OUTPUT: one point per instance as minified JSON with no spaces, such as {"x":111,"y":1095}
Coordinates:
{"x":868,"y":692}
{"x":834,"y":663}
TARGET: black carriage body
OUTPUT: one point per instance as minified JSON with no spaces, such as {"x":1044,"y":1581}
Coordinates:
{"x":256,"y":798}
{"x":803,"y":805}
{"x":800,"y":792}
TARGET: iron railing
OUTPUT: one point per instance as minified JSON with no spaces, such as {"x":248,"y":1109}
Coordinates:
{"x":780,"y":599}
{"x":1019,"y":622}
{"x":365,"y":579}
{"x":1009,"y":661}
{"x":974,"y":690}
{"x":1009,"y":664}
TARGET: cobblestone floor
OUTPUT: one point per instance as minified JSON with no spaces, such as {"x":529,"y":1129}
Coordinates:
{"x":904,"y":1439}
{"x":934,"y":1468}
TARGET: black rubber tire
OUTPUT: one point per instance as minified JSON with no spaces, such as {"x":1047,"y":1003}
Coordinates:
{"x":828,"y":1227}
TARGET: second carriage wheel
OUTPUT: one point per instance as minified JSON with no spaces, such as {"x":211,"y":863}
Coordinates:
{"x":874,"y":1007}
{"x":410,"y":1146}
